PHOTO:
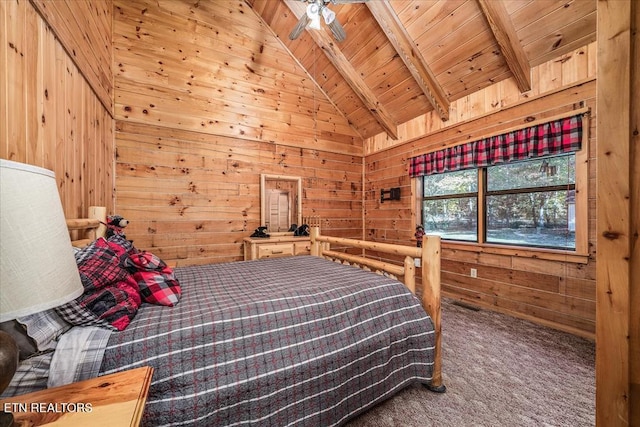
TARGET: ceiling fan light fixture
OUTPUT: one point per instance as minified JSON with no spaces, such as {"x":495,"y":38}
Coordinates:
{"x":328,"y":15}
{"x":313,"y":13}
{"x":311,"y":18}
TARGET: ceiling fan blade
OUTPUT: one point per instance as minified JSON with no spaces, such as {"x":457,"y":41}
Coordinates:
{"x":299,"y":28}
{"x":338,"y":31}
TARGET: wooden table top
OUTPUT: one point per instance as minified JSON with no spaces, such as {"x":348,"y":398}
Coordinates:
{"x":111,"y":400}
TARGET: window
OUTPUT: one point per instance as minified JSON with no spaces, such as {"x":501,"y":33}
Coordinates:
{"x":525,"y":203}
{"x":450,"y":205}
{"x":524,"y":187}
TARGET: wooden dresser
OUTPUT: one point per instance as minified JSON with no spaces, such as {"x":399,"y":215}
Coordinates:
{"x":276,"y":246}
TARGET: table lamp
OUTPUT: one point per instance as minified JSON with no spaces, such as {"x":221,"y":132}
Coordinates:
{"x":38,"y":270}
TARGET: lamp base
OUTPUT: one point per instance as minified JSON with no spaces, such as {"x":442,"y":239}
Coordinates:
{"x":6,"y":419}
{"x":8,"y":364}
{"x":9,"y":359}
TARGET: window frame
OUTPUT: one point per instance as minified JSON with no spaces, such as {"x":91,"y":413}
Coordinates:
{"x":579,"y":255}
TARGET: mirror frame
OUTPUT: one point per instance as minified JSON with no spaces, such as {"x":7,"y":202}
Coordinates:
{"x":263,"y":187}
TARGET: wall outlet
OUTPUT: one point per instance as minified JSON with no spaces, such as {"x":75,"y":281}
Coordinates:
{"x":474,"y":272}
{"x":417,"y":261}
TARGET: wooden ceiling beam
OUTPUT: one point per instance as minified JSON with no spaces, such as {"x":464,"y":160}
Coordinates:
{"x":505,"y":34}
{"x":410,"y":55}
{"x":351,"y":75}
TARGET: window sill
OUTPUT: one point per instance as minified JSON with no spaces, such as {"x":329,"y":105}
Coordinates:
{"x":518,"y":251}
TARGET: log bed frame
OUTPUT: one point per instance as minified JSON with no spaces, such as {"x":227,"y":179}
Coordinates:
{"x":429,"y":259}
{"x":84,"y":230}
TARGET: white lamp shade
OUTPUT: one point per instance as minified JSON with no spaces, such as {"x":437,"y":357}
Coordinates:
{"x":37,"y":266}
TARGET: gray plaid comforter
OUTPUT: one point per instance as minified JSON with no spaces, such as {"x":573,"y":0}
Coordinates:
{"x":290,"y":341}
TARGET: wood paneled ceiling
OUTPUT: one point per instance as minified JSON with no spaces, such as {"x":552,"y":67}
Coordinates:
{"x":404,"y":58}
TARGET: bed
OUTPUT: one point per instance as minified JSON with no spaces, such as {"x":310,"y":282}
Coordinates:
{"x":305,"y":340}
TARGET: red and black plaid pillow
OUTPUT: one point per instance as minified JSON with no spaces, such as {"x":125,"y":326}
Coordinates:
{"x":155,"y":279}
{"x":111,"y":296}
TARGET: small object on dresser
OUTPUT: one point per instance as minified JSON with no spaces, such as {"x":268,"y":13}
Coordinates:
{"x":260,"y":232}
{"x":303,"y":230}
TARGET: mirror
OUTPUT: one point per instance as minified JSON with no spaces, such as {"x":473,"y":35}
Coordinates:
{"x":280,"y":202}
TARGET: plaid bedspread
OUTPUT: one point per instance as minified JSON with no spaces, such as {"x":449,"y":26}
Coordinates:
{"x":297,"y":341}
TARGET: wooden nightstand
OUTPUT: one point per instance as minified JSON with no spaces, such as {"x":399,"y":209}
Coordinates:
{"x":111,"y":400}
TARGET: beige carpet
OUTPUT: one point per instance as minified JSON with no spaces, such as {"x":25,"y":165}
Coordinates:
{"x":499,"y":371}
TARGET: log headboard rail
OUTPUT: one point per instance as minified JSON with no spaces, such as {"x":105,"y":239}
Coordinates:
{"x":429,"y":259}
{"x":83,"y":231}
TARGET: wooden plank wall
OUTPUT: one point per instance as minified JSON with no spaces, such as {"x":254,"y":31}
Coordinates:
{"x":83,"y":27}
{"x":206,"y":101}
{"x":49,"y":114}
{"x":216,"y":68}
{"x":618,"y":223}
{"x":552,"y":292}
{"x":634,"y":226}
{"x":192,"y":197}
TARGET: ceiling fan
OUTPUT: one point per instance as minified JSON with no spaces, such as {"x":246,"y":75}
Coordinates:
{"x":316,"y":9}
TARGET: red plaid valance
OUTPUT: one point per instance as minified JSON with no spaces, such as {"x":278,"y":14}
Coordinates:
{"x":555,"y":137}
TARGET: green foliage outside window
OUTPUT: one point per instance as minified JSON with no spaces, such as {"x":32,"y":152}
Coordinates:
{"x":527,"y":203}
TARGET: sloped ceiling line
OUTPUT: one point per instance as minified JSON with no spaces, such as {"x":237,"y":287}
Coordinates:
{"x":405,"y":58}
{"x":261,"y":17}
{"x":410,"y":55}
{"x":350,"y":75}
{"x":506,"y":37}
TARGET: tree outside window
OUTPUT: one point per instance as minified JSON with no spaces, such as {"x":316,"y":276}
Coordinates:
{"x":525,"y":203}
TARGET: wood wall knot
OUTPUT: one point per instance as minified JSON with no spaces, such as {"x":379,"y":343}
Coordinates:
{"x":611,"y":235}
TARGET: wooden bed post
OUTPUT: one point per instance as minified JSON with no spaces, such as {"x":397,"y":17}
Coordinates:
{"x":314,"y":232}
{"x":410,"y":274}
{"x":83,"y":231}
{"x":99,"y":213}
{"x":431,"y":302}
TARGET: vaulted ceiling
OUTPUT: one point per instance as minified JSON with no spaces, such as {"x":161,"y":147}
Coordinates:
{"x":403,"y":58}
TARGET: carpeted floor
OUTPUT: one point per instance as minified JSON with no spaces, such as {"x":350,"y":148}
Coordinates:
{"x":499,"y":371}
